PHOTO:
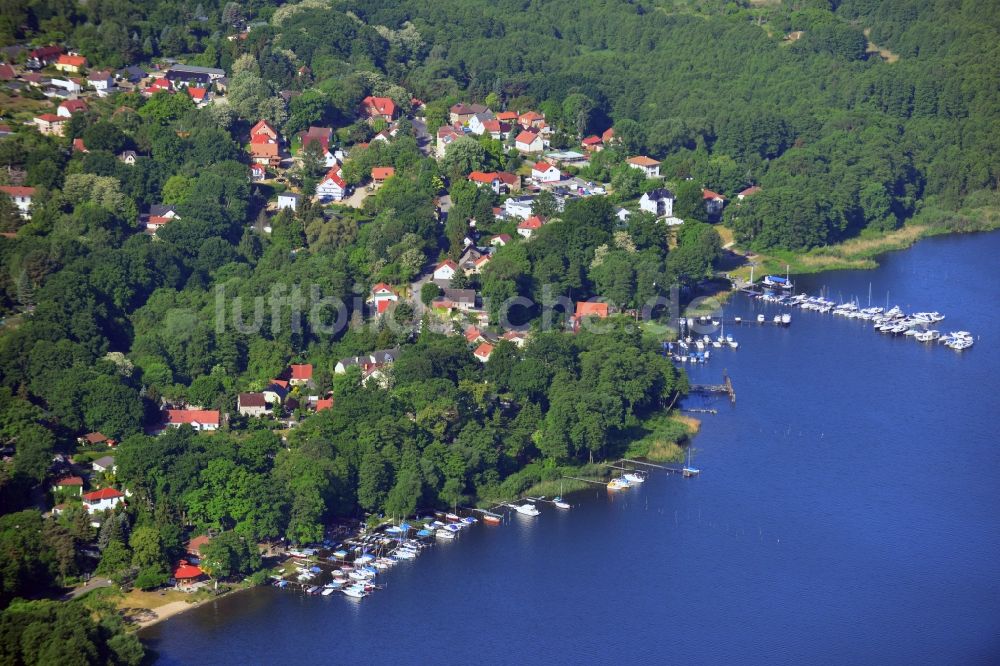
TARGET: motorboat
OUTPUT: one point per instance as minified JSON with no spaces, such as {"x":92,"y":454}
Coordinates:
{"x":490,"y":519}
{"x":760,"y":319}
{"x":619,"y":483}
{"x":445,"y":534}
{"x":634,"y":477}
{"x":527,"y":509}
{"x":356,"y":591}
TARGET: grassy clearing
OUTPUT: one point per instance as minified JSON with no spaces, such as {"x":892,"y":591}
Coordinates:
{"x":862,"y":252}
{"x":661,"y":438}
{"x":560,"y":487}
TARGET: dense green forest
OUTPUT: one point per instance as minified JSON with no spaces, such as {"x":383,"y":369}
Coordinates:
{"x":102,"y":323}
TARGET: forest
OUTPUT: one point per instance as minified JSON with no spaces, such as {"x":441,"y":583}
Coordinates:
{"x":103,"y":325}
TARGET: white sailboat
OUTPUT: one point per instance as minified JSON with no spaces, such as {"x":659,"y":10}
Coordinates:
{"x":688,"y":470}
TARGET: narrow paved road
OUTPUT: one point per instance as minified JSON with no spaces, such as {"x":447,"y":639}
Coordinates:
{"x":92,"y":584}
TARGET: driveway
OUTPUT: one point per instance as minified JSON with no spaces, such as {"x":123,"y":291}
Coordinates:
{"x":422,"y":135}
{"x":92,"y":584}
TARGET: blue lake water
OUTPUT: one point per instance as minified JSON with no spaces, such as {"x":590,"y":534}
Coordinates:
{"x":847,"y":512}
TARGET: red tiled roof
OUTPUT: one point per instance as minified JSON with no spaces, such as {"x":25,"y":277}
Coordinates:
{"x":95,"y":437}
{"x":709,"y":194}
{"x":592,"y":141}
{"x":585,"y":309}
{"x":263,"y":126}
{"x":527,"y":136}
{"x":301,"y":371}
{"x":68,"y":481}
{"x":541,"y":166}
{"x":334,"y":175}
{"x":381,"y":173}
{"x":75,"y":61}
{"x":102,"y":494}
{"x":158,"y":220}
{"x":484,"y":350}
{"x":642,"y":160}
{"x":185,"y":571}
{"x":197,"y":94}
{"x":325,"y":403}
{"x":74,"y":105}
{"x":283,"y":383}
{"x":51,"y":118}
{"x":78,"y":145}
{"x":447,"y":262}
{"x":491,"y":125}
{"x":530,"y":116}
{"x":7,"y":72}
{"x":17,"y":191}
{"x":195,"y":544}
{"x":608,"y":135}
{"x":750,"y":190}
{"x":506,"y":115}
{"x":382,"y":106}
{"x":210,"y":416}
{"x":472,"y":334}
{"x":45,"y":52}
{"x":533,"y":222}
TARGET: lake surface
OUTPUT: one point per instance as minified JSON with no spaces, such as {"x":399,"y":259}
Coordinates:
{"x":847,"y":512}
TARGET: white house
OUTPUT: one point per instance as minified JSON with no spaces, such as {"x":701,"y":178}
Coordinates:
{"x":202,"y":420}
{"x":332,"y":187}
{"x":477,"y":123}
{"x":67,"y":84}
{"x":543,"y":172}
{"x":70,"y":106}
{"x":623,"y":214}
{"x":445,"y":271}
{"x":128,"y":157}
{"x":519,"y":207}
{"x":483,"y":352}
{"x":102,"y":500}
{"x":21,"y":196}
{"x":714,"y":202}
{"x":647,"y":165}
{"x":383,"y":296}
{"x":288,"y":200}
{"x":659,"y":202}
{"x":529,"y":141}
{"x":257,"y":173}
{"x":251,"y":404}
{"x":529,"y":226}
{"x":379,"y":358}
{"x":275,"y":392}
{"x":104,"y":464}
{"x":102,"y":82}
{"x":446,"y":135}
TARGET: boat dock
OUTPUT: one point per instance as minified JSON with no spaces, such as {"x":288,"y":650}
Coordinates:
{"x":726,"y":387}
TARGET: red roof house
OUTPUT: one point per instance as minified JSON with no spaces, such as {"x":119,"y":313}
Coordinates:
{"x":264,"y":128}
{"x":324,"y":403}
{"x":301,"y":373}
{"x":186,"y":572}
{"x":379,"y":107}
{"x":483,"y":352}
{"x":199,"y":419}
{"x":381,"y":174}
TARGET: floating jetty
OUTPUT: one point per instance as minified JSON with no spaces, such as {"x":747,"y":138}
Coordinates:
{"x":890,"y":321}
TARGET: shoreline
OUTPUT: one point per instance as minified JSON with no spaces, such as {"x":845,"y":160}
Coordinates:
{"x":175,"y":608}
{"x":861,"y":253}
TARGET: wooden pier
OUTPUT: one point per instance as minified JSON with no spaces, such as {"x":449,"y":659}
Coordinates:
{"x":726,"y":387}
{"x":665,"y":468}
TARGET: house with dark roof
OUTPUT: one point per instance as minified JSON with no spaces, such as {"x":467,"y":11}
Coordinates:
{"x":659,"y":202}
{"x":252,"y":404}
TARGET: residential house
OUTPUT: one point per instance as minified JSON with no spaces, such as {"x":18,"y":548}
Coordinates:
{"x":382,"y":174}
{"x":647,"y":165}
{"x":324,"y":403}
{"x":531,"y":119}
{"x":383,"y":296}
{"x":477,"y":122}
{"x":199,"y":95}
{"x":659,"y":202}
{"x":322,"y":137}
{"x":300,"y":374}
{"x":378,"y":358}
{"x":289,"y":200}
{"x":276,"y":391}
{"x":501,"y":240}
{"x":43,"y":56}
{"x":102,"y":81}
{"x":202,"y":420}
{"x":79,"y":146}
{"x":495,"y":129}
{"x":70,"y":106}
{"x":132,"y":74}
{"x":460,"y":114}
{"x":714,"y":203}
{"x":750,"y":191}
{"x":195,"y":545}
{"x":264,"y":150}
{"x":456,"y":299}
{"x":214,"y":73}
{"x":593,"y":144}
{"x":608,"y":137}
{"x":529,"y":226}
{"x":445,"y":271}
{"x":332,"y":187}
{"x":543,"y":172}
{"x":252,"y":404}
{"x":128,"y":157}
{"x":104,"y":464}
{"x":186,"y":576}
{"x":508,"y":117}
{"x":21,"y":196}
{"x":102,"y":500}
{"x":500,"y":182}
{"x":93,"y":439}
{"x":529,"y":141}
{"x":71,"y":63}
{"x":70,"y":484}
{"x":257,"y":173}
{"x":483,"y":352}
{"x":446,"y":135}
{"x":519,"y":207}
{"x":159,"y":215}
{"x":585,"y":309}
{"x":518,"y":338}
{"x":470,"y":261}
{"x":63,"y":87}
{"x":623,"y":214}
{"x":265,"y":129}
{"x":474,"y":336}
{"x":379,"y":107}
